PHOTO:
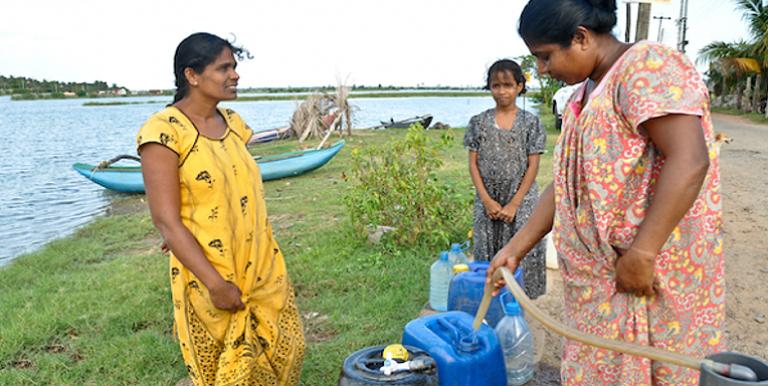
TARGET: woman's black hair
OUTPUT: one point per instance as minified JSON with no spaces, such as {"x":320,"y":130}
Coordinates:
{"x":506,"y":65}
{"x":556,"y":21}
{"x":197,"y":51}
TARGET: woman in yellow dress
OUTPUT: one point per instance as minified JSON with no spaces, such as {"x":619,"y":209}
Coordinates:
{"x":234,"y":307}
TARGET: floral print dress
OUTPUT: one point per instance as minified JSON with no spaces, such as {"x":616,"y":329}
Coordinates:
{"x":502,"y":159}
{"x":605,"y":169}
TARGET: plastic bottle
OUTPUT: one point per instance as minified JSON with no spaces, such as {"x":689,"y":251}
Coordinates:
{"x":440,"y":275}
{"x":516,"y":342}
{"x":456,"y":255}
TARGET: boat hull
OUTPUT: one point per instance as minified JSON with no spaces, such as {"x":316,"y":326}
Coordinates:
{"x":128,"y":179}
{"x":424,"y":120}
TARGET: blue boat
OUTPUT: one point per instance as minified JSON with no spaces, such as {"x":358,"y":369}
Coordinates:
{"x":128,"y":179}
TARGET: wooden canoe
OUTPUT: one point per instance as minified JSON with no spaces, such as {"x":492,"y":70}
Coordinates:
{"x":424,"y":120}
{"x":128,"y":179}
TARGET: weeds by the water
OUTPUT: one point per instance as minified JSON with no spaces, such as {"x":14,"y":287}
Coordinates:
{"x":395,"y":185}
{"x":95,"y":308}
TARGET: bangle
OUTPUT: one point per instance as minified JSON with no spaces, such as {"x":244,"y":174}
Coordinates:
{"x":644,"y":252}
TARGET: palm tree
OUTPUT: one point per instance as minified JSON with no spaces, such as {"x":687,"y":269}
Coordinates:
{"x":743,"y":57}
{"x":755,"y":13}
{"x":730,"y":59}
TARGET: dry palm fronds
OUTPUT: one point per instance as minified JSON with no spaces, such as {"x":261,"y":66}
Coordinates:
{"x":321,"y":113}
{"x":341,"y":99}
{"x":308,"y":117}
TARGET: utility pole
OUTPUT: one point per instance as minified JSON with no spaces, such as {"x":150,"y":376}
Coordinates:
{"x":682,"y":26}
{"x":629,"y":20}
{"x":643,"y":20}
{"x":659,"y":36}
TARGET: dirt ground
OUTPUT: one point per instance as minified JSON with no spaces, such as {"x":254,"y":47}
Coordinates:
{"x":744,"y":174}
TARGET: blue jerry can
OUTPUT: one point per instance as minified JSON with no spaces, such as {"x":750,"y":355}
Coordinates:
{"x":466,"y":292}
{"x":463,"y":357}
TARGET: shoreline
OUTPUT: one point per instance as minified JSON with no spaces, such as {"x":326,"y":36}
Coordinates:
{"x":265,"y":98}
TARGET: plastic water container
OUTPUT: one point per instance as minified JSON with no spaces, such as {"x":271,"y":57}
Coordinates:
{"x":456,"y":255}
{"x":516,"y":343}
{"x":467,"y":288}
{"x":463,"y":356}
{"x":440,"y":275}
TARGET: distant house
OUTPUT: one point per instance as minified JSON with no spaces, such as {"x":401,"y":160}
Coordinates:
{"x":69,"y":94}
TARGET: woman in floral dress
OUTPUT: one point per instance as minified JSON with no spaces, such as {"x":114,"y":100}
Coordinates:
{"x":635,"y":201}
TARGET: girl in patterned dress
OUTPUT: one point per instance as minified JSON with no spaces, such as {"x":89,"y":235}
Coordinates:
{"x":635,"y":201}
{"x":504,"y":145}
{"x":234,"y":307}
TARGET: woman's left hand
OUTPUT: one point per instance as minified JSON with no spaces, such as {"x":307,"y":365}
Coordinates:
{"x":507,"y":213}
{"x":635,"y":273}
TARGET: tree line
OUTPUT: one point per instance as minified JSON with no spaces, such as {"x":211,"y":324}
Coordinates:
{"x":13,"y":85}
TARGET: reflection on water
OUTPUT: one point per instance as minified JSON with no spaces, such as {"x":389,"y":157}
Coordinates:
{"x":43,"y":198}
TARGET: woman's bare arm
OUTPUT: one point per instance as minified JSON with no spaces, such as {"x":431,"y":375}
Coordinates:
{"x":680,"y":139}
{"x":161,"y":181}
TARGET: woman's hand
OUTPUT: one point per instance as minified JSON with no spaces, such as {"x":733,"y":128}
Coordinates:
{"x":504,"y":258}
{"x":507,"y":213}
{"x":226,"y":296}
{"x":635,"y":272}
{"x":492,"y":209}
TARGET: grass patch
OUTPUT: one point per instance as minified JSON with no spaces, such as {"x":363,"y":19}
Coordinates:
{"x":754,"y":117}
{"x":94,"y":308}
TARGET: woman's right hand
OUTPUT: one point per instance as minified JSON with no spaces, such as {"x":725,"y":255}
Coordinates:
{"x":226,"y":296}
{"x":492,"y":209}
{"x":504,"y":258}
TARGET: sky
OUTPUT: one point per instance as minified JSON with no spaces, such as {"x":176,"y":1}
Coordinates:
{"x":298,"y":42}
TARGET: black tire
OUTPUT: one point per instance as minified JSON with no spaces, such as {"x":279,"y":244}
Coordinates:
{"x":361,"y":369}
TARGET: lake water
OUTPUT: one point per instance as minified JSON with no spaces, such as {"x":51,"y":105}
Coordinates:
{"x":44,"y":199}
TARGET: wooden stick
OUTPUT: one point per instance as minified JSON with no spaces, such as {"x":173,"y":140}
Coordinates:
{"x":330,"y":130}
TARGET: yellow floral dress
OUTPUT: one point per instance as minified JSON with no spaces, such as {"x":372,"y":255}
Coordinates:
{"x":222,"y":204}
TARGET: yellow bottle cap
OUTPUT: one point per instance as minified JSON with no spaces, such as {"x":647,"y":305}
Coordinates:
{"x":460,"y":268}
{"x":397,"y":351}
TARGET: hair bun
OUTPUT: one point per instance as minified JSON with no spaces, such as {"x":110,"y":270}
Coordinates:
{"x":608,"y":5}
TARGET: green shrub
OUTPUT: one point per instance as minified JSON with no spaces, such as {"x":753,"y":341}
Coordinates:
{"x":395,"y":185}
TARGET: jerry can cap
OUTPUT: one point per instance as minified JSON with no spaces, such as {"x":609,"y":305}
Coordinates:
{"x":458,"y":268}
{"x":398,"y":352}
